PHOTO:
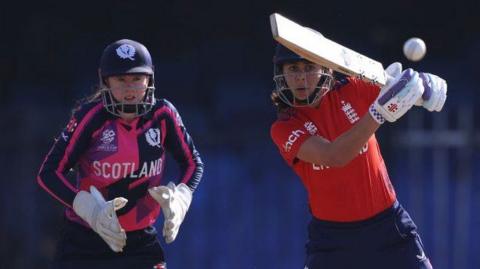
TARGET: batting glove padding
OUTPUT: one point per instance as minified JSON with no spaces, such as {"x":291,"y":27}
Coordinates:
{"x":175,"y":201}
{"x":435,"y":93}
{"x":401,"y":92}
{"x":101,"y":216}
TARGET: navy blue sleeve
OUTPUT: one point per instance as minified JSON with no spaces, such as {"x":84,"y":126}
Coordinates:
{"x":64,"y":154}
{"x":179,"y":143}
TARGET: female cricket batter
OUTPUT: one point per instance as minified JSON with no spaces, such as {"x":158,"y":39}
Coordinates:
{"x":326,"y":132}
{"x":117,"y":142}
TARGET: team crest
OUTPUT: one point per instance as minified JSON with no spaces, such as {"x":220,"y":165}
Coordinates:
{"x":126,"y":51}
{"x":153,"y":137}
{"x":311,"y":128}
{"x":351,"y":114}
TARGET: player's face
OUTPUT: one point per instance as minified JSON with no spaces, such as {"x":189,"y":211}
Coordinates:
{"x":302,"y":78}
{"x":128,"y":89}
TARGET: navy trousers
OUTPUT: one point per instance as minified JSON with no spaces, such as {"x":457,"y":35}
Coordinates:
{"x":387,"y":240}
{"x":80,"y":247}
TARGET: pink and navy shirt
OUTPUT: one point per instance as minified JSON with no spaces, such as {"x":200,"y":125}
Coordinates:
{"x":121,"y":159}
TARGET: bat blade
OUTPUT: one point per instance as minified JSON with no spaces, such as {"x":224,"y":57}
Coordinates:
{"x":316,"y":48}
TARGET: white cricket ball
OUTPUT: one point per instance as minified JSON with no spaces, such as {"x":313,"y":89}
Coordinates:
{"x":414,"y":49}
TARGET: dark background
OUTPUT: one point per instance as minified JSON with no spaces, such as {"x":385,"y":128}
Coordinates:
{"x":213,"y":60}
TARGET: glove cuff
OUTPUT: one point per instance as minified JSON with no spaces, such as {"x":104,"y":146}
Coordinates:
{"x":376,"y":115}
{"x":185,"y":193}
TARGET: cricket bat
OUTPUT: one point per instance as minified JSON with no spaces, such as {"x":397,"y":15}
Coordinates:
{"x":316,"y":48}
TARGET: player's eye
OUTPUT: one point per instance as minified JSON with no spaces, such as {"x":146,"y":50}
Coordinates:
{"x":310,"y":68}
{"x":293,"y":68}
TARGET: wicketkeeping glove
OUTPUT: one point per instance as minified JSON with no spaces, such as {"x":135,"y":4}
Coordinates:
{"x":435,"y":93}
{"x":401,"y":92}
{"x":175,"y":201}
{"x":101,"y":216}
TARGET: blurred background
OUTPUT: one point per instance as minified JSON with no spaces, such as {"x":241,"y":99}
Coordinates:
{"x":213,"y":60}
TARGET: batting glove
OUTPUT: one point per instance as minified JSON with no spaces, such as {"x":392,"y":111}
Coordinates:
{"x":401,"y":92}
{"x":435,"y":93}
{"x":101,"y":216}
{"x":175,"y":201}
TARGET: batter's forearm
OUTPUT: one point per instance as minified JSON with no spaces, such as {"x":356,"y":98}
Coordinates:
{"x":347,"y":145}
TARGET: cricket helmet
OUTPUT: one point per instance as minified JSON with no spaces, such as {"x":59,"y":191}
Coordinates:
{"x":123,"y":57}
{"x":285,"y":93}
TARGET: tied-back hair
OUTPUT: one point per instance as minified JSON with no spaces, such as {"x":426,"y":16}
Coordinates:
{"x":93,"y":97}
{"x":279,"y":104}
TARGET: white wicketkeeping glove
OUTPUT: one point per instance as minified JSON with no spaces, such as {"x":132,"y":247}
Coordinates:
{"x":435,"y":93}
{"x":101,"y":216}
{"x":175,"y":201}
{"x":400,"y":93}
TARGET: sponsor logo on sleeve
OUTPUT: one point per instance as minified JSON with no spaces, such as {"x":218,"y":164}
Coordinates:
{"x":294,"y":135}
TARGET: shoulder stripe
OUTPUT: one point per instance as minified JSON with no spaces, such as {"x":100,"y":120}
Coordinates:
{"x":77,"y":133}
{"x":166,"y":110}
{"x":40,"y":182}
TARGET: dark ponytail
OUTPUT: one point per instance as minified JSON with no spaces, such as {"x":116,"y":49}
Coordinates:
{"x":279,"y":104}
{"x":96,"y":95}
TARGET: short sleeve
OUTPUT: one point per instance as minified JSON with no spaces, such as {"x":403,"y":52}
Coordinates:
{"x":289,"y":136}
